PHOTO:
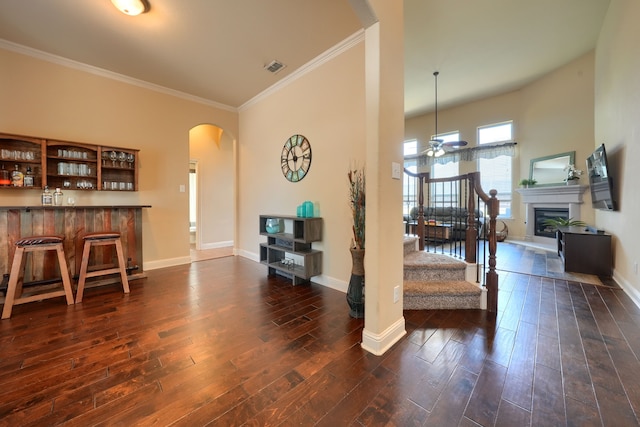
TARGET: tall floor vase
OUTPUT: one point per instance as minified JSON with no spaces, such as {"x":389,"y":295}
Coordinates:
{"x":355,"y":291}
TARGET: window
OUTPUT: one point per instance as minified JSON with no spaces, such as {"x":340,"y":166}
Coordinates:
{"x":496,"y":173}
{"x":409,"y":190}
{"x":445,"y":194}
{"x":411,"y":147}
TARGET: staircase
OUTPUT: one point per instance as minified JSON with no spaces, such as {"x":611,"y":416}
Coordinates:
{"x":436,"y":282}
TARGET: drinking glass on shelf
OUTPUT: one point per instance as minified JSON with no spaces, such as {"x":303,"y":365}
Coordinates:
{"x":113,"y":156}
{"x":71,"y":201}
{"x":105,"y":157}
{"x":130,"y":159}
{"x":122,"y":157}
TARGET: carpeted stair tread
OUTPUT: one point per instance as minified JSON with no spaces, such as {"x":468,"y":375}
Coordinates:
{"x":410,"y":244}
{"x":450,"y":287}
{"x":436,"y":281}
{"x":443,"y":295}
{"x":422,"y":259}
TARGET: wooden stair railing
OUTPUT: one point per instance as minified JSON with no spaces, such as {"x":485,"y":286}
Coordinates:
{"x":470,"y":189}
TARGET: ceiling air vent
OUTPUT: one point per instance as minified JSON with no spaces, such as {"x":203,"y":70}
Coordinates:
{"x":274,"y":66}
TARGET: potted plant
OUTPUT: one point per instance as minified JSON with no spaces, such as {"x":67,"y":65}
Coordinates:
{"x":526,"y":183}
{"x":355,"y":291}
{"x":554,"y":223}
{"x":573,"y":174}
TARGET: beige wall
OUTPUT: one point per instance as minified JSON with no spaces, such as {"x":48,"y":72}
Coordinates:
{"x":551,"y":115}
{"x":216,"y":185}
{"x":327,"y":106}
{"x":617,"y":125}
{"x":45,"y":99}
{"x":346,"y":128}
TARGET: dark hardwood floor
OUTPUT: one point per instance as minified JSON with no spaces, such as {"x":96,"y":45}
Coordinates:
{"x":217,"y":343}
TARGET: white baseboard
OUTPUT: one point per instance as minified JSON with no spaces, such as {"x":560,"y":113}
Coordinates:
{"x":331,"y":282}
{"x":217,"y":245}
{"x":628,"y":289}
{"x":378,"y":344}
{"x":327,"y":281}
{"x":249,"y":255}
{"x":169,"y":262}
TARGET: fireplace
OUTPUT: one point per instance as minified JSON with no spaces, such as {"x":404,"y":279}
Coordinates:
{"x":565,"y":197}
{"x":542,"y":214}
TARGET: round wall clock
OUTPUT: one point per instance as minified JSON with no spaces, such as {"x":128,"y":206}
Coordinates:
{"x":295,"y":160}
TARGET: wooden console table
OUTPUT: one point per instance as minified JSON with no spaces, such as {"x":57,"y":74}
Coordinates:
{"x":72,"y":222}
{"x":433,"y":232}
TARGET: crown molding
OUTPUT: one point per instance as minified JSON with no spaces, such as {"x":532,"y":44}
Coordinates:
{"x":321,"y":59}
{"x":55,"y":59}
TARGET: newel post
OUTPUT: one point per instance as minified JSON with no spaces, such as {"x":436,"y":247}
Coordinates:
{"x":420,"y":219}
{"x":492,"y":277}
{"x":471,"y":236}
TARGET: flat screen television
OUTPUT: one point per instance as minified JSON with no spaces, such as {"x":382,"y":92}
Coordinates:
{"x":600,"y":181}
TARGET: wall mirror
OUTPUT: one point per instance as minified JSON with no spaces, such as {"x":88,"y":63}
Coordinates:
{"x":551,"y":170}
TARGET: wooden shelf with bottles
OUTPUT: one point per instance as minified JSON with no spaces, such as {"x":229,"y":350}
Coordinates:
{"x":68,"y":165}
{"x":24,"y":153}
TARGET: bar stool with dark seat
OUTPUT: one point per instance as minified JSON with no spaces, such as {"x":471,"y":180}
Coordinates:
{"x":14,"y":288}
{"x":102,"y":238}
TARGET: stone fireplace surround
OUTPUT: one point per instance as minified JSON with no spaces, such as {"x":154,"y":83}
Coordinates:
{"x":561,"y":196}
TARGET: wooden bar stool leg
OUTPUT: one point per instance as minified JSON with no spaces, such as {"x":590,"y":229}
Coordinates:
{"x":64,"y":272}
{"x":16,"y":272}
{"x":123,"y":266}
{"x":82,"y":278}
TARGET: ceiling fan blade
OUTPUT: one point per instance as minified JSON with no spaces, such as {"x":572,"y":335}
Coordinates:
{"x":455,"y":144}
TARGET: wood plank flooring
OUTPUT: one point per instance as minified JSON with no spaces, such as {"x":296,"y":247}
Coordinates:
{"x":218,"y":343}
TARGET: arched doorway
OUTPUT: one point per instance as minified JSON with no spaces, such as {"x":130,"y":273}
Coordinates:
{"x":212,"y":192}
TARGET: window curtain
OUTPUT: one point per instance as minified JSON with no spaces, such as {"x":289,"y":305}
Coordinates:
{"x":470,"y":154}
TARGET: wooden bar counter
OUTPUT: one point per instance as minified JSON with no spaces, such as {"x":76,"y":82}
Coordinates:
{"x":72,"y":222}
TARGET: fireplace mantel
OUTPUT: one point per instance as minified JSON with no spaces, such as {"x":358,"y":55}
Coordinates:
{"x":561,"y":196}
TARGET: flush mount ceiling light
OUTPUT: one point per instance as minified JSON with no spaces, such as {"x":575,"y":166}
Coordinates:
{"x":131,"y":7}
{"x":437,"y":147}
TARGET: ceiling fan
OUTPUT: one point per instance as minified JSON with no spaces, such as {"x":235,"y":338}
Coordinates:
{"x":437,"y":146}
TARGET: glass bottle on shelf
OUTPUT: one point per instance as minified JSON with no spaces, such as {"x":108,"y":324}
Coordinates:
{"x":47,"y":197}
{"x":5,"y":177}
{"x":17,"y":177}
{"x":28,"y":178}
{"x":58,"y":197}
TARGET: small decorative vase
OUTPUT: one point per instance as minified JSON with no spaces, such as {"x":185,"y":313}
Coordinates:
{"x":308,"y":209}
{"x":272,"y":225}
{"x":355,"y":291}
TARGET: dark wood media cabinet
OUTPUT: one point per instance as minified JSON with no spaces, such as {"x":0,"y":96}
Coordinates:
{"x":585,"y":250}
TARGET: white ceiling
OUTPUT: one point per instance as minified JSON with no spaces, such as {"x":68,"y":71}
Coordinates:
{"x":216,"y":49}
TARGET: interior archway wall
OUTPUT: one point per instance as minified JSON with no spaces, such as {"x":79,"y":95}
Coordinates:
{"x":213,"y":149}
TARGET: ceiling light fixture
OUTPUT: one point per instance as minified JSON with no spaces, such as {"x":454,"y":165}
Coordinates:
{"x":132,"y":7}
{"x":436,"y":145}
